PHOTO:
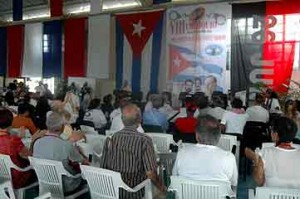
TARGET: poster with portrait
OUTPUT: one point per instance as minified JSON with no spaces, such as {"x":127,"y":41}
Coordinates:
{"x":198,"y":41}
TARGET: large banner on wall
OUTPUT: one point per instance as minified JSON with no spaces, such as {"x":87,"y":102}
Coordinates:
{"x":197,"y":41}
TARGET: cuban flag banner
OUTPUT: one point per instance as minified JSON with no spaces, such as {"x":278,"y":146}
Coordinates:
{"x":138,"y":50}
{"x":197,"y":40}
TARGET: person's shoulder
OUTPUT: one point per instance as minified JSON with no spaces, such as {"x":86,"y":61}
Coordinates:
{"x":227,"y":155}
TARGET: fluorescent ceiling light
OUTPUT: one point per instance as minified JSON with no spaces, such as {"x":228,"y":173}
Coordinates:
{"x":120,"y":5}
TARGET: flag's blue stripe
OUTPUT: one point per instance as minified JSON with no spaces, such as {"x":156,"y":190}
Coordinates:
{"x":3,"y":51}
{"x":160,"y":1}
{"x":136,"y":73}
{"x":156,"y":52}
{"x":52,"y":59}
{"x":17,"y":10}
{"x":119,"y":55}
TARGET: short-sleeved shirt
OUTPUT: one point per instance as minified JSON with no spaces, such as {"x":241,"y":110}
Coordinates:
{"x":132,"y":154}
{"x":55,"y":148}
{"x":281,"y":167}
{"x":258,"y":114}
{"x":12,"y":146}
{"x":234,"y":122}
{"x":206,"y":162}
{"x":96,"y":116}
{"x":20,"y":121}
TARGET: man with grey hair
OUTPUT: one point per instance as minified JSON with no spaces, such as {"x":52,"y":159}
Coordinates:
{"x":131,"y":153}
{"x":53,"y":147}
{"x":206,"y":161}
{"x":155,"y":117}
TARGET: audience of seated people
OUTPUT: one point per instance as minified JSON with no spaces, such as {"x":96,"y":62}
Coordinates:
{"x":204,"y":160}
{"x":278,"y":165}
{"x":52,"y":147}
{"x":12,"y":145}
{"x":126,"y":121}
{"x":290,"y":111}
{"x":272,"y":103}
{"x":155,"y":117}
{"x":258,"y":113}
{"x":233,"y":121}
{"x":131,"y":153}
{"x":95,"y":115}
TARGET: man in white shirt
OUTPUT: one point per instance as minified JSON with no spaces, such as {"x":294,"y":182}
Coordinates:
{"x":206,"y":161}
{"x":258,"y":113}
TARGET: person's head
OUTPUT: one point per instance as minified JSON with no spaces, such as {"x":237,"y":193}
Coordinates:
{"x":95,"y":103}
{"x":188,"y":85}
{"x":40,"y":83}
{"x":208,"y":130}
{"x":46,"y":86}
{"x":217,"y":101}
{"x":131,"y":115}
{"x":237,"y":103}
{"x":55,"y":122}
{"x":6,"y":118}
{"x":290,"y":107}
{"x":259,"y":99}
{"x":202,"y":101}
{"x":9,"y":98}
{"x":24,"y":110}
{"x":284,"y":130}
{"x":198,"y":82}
{"x":210,"y":83}
{"x":167,"y":97}
{"x":157,"y":101}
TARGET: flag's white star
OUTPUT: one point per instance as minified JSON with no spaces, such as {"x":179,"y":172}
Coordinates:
{"x":138,"y":28}
{"x":177,"y":62}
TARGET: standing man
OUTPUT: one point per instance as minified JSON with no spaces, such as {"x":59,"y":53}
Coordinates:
{"x":132,"y":154}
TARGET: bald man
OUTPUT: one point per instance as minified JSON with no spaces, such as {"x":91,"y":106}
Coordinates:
{"x":131,"y":153}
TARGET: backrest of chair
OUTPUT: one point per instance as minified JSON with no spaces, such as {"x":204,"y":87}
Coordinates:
{"x":102,"y":183}
{"x":49,"y":175}
{"x":5,"y":167}
{"x":109,"y":132}
{"x":167,"y":160}
{"x":226,"y":142}
{"x":190,"y":189}
{"x":6,"y":188}
{"x":276,"y":193}
{"x":96,"y":142}
{"x":162,"y":141}
{"x":44,"y":196}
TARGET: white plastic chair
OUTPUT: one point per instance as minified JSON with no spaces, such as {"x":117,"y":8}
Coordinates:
{"x":6,"y":165}
{"x":162,"y":141}
{"x":97,"y":143}
{"x":274,"y":193}
{"x":6,"y":188}
{"x":44,"y":196}
{"x":191,"y":189}
{"x":109,"y":132}
{"x":88,"y":130}
{"x":105,"y":183}
{"x":227,"y":142}
{"x":49,"y":175}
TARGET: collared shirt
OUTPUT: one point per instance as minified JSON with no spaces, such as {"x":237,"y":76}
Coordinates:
{"x":216,"y":112}
{"x":20,"y":121}
{"x":206,"y":162}
{"x":115,"y":113}
{"x":132,"y":154}
{"x":52,"y":147}
{"x":12,"y":146}
{"x":155,"y":117}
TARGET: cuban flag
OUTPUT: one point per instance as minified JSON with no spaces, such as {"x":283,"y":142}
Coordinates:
{"x":138,"y":50}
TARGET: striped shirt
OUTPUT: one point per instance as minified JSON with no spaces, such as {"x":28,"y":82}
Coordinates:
{"x":132,"y":154}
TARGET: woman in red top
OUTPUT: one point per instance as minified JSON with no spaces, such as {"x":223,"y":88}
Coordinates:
{"x":13,"y":146}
